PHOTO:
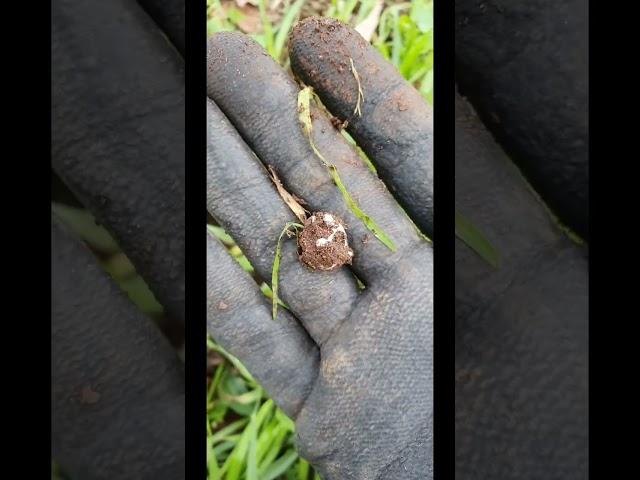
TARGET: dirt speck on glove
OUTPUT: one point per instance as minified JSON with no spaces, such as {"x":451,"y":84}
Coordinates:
{"x":323,"y":242}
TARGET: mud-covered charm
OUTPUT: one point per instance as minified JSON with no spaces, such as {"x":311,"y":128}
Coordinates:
{"x":323,"y":242}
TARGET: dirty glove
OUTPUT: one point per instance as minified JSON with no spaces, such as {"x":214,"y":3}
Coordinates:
{"x":521,"y":330}
{"x":352,"y":367}
{"x":118,"y":144}
{"x":524,"y":66}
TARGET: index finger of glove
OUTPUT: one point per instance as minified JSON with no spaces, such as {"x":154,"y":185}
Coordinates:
{"x":170,"y":16}
{"x":118,"y":138}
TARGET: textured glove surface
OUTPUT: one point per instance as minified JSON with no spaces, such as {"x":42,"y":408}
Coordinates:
{"x":364,"y":405}
{"x":118,"y":405}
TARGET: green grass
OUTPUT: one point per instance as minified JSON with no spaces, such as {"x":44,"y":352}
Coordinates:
{"x":469,"y":234}
{"x":82,"y":223}
{"x":290,"y":228}
{"x":248,"y":437}
{"x":304,"y":114}
{"x":405,"y":38}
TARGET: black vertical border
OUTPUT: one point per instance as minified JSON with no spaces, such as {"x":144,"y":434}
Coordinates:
{"x":590,"y":332}
{"x":444,"y":237}
{"x":195,"y":254}
{"x":598,"y":328}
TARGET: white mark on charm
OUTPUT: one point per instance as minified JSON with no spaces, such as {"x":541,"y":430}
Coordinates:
{"x":322,"y":242}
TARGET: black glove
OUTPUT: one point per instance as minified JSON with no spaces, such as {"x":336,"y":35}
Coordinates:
{"x":521,"y":331}
{"x":524,"y":66}
{"x":353,"y":368}
{"x":118,"y":144}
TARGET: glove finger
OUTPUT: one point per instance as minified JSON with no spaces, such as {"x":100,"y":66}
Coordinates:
{"x":169,"y":15}
{"x":396,"y":125}
{"x":279,"y":353}
{"x":114,"y":376}
{"x":492,"y":193}
{"x":261,"y":102}
{"x":118,"y":133}
{"x":521,"y":331}
{"x":242,"y":198}
{"x":525,"y":69}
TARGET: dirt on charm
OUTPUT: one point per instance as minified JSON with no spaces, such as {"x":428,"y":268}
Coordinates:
{"x":323,"y":242}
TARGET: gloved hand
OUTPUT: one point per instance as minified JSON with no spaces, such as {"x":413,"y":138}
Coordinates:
{"x":521,"y":330}
{"x":118,"y":144}
{"x":524,"y":66}
{"x":353,"y":368}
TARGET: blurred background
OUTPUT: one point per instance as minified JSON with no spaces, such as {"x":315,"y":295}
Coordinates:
{"x":247,"y":436}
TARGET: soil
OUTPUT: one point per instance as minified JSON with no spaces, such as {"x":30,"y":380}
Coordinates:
{"x":250,"y":20}
{"x":323,"y":242}
{"x":339,"y":124}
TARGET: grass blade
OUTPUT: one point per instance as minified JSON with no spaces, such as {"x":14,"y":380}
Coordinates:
{"x":267,"y":28}
{"x":270,"y":451}
{"x":214,"y":383}
{"x":230,"y":429}
{"x":225,"y":447}
{"x":236,"y":461}
{"x":470,"y":235}
{"x":396,"y":42}
{"x":247,"y":398}
{"x":419,"y":47}
{"x":366,"y":219}
{"x":83,"y":224}
{"x":276,"y":266}
{"x":280,"y":466}
{"x":422,"y":14}
{"x":285,"y":27}
{"x":303,"y":470}
{"x":221,"y":235}
{"x":304,"y":115}
{"x":213,"y":469}
{"x":233,"y":360}
{"x":363,"y":156}
{"x":252,"y":462}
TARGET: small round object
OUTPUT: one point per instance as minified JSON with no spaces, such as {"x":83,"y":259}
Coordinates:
{"x":323,"y":242}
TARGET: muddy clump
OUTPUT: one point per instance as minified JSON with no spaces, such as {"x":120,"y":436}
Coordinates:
{"x":323,"y":243}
